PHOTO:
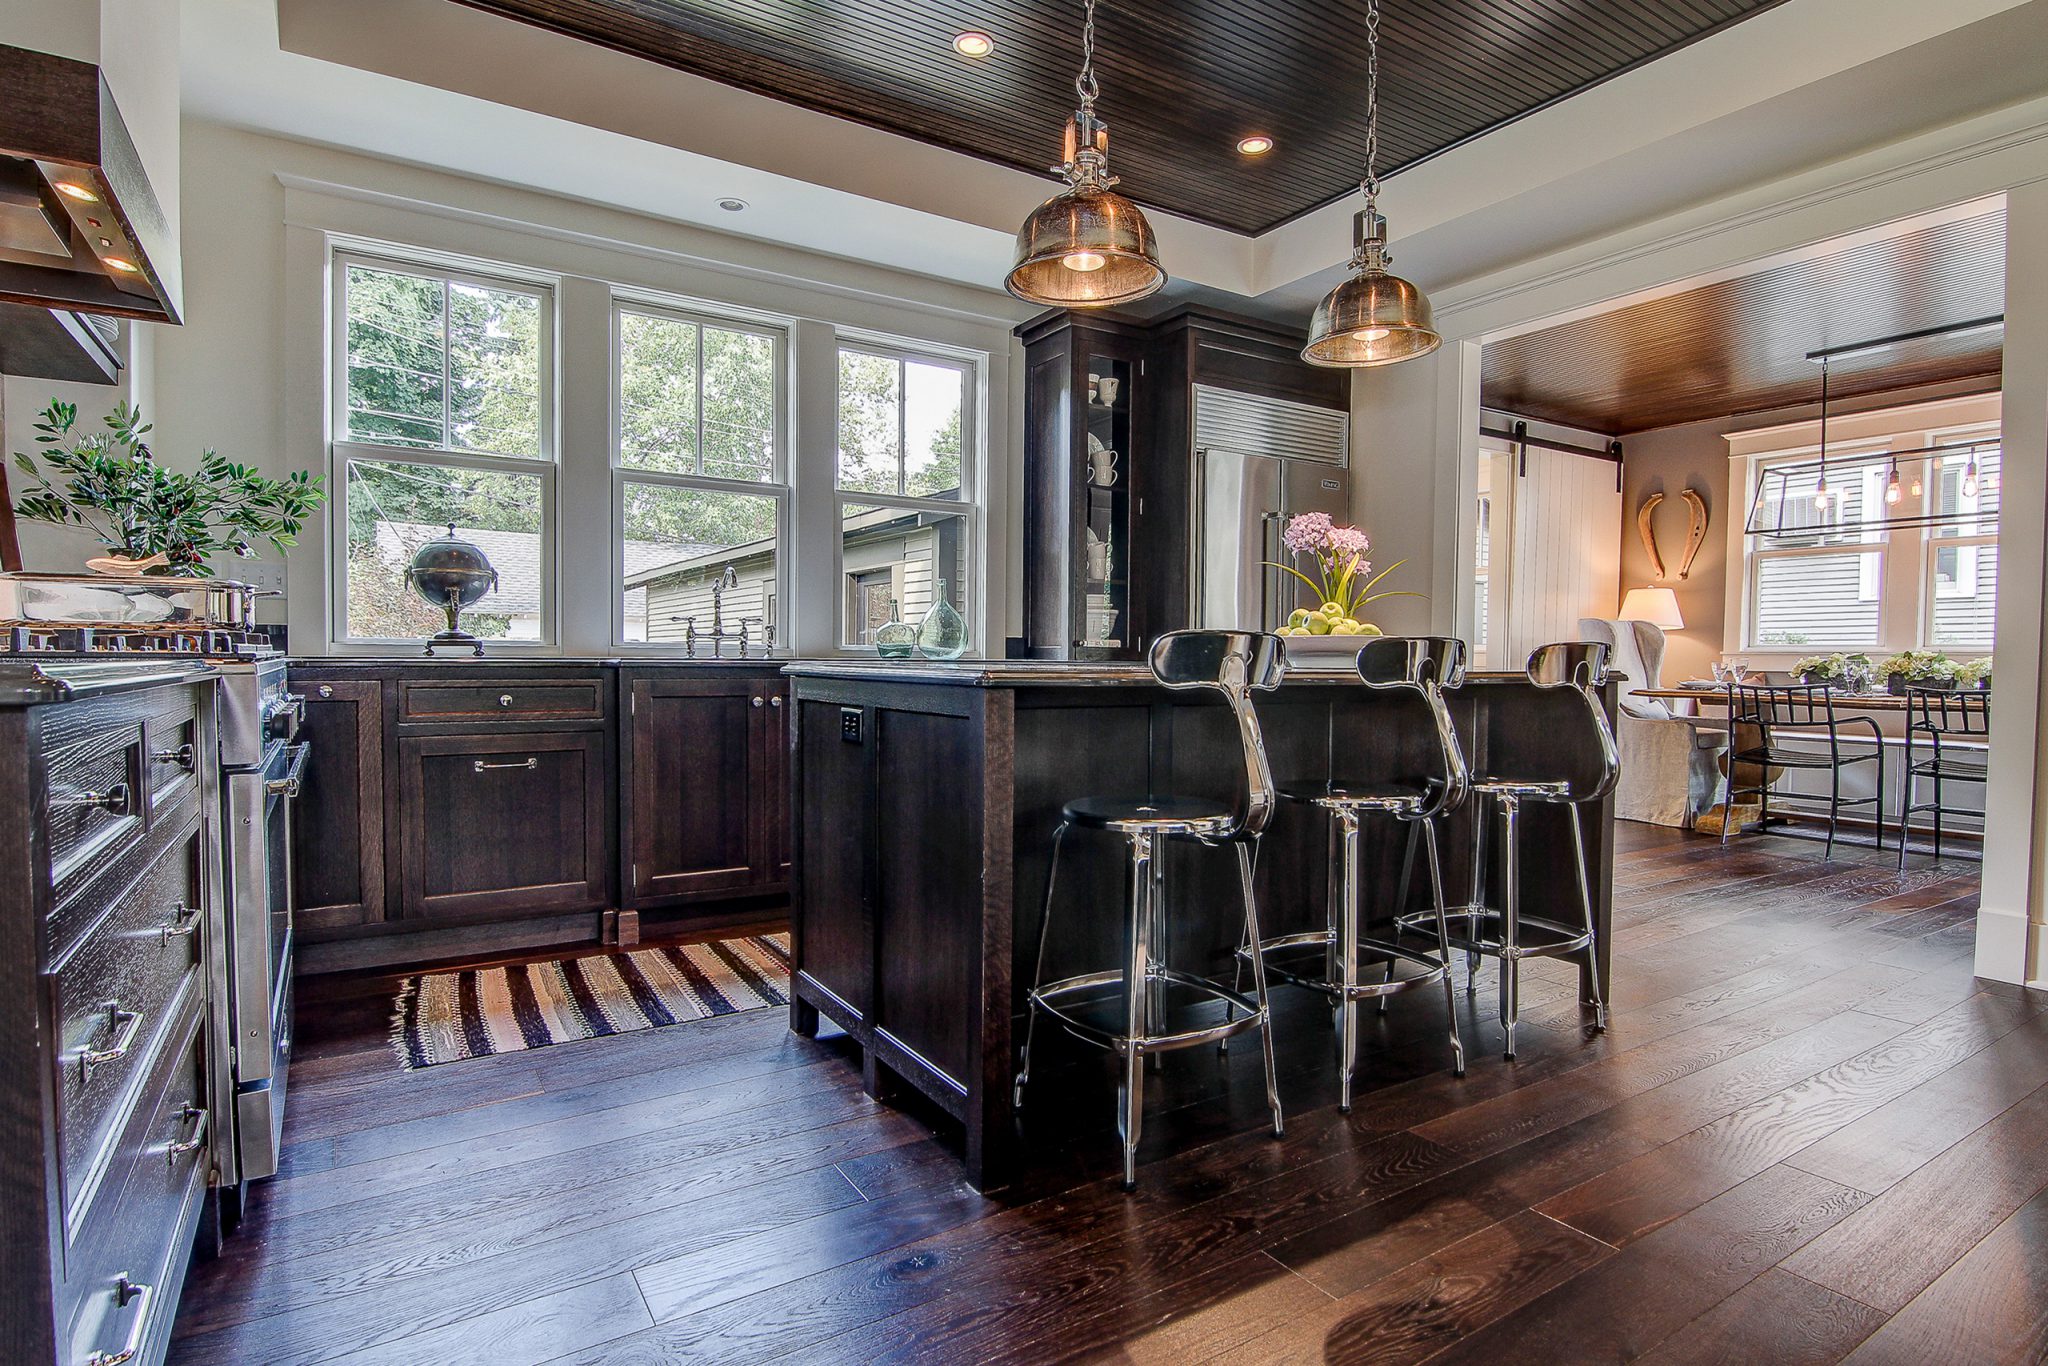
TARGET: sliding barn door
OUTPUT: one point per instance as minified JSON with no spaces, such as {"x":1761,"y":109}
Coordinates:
{"x":1565,"y":555}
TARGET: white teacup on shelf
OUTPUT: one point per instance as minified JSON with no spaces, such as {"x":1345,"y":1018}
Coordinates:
{"x":1102,"y":467}
{"x":1105,"y":389}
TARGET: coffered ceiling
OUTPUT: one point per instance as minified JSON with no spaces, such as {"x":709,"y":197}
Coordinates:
{"x":1739,"y":345}
{"x":1182,"y":80}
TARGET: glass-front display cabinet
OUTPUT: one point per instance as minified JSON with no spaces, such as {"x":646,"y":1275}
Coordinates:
{"x":1083,"y":476}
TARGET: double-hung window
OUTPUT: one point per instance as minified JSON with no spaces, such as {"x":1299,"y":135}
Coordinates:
{"x":444,"y":417}
{"x":1962,"y":549}
{"x":700,"y":474}
{"x":905,"y":475}
{"x":1819,"y":585}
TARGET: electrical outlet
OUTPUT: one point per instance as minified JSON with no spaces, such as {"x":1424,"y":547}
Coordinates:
{"x":849,"y":725}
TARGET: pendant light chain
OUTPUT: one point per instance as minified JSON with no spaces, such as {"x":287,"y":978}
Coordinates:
{"x":1084,"y":84}
{"x":1371,"y":183}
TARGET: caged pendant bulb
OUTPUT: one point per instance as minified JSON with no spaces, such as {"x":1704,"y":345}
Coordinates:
{"x":1820,"y":495}
{"x":1893,"y":494}
{"x":1970,"y":478}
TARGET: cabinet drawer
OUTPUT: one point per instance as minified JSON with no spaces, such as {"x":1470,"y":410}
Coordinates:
{"x":554,"y":699}
{"x":135,"y":1236}
{"x":113,"y":995}
{"x":95,"y":800}
{"x":100,"y":881}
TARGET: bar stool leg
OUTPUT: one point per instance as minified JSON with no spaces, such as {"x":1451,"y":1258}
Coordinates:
{"x":1052,"y":877}
{"x":1347,"y":967}
{"x":1592,"y":934}
{"x":1510,"y":921}
{"x":1478,"y":895}
{"x":1131,"y":1121}
{"x":1155,"y":988}
{"x":1443,"y":942}
{"x":1251,"y":928}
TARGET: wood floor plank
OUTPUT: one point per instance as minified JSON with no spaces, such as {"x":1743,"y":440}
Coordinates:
{"x":1628,"y":1202}
{"x":519,"y":1334}
{"x":1187,"y":1335}
{"x":1428,"y":1305}
{"x":1923,"y":1225}
{"x":1636,"y":1299}
{"x":1991,"y":1307}
{"x":1777,"y":1318}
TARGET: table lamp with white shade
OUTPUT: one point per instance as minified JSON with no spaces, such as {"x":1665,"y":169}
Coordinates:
{"x":1658,"y":606}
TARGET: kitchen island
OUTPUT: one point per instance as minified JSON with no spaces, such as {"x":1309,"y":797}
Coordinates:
{"x":925,"y":799}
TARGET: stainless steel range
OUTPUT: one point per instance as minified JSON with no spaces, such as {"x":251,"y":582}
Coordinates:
{"x":261,"y":764}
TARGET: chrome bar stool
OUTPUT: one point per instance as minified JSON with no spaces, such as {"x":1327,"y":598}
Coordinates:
{"x":1582,"y":667}
{"x":1419,"y":668}
{"x":1232,"y":663}
{"x":1936,"y":715}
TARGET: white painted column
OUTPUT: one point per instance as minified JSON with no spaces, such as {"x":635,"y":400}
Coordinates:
{"x":587,"y":601}
{"x":814,"y":505}
{"x":2010,"y":930}
{"x":1414,"y":465}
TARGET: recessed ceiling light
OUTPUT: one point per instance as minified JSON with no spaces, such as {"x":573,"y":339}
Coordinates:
{"x":974,"y":43}
{"x":76,"y":191}
{"x":732,"y":205}
{"x":119,"y":264}
{"x":1255,"y":146}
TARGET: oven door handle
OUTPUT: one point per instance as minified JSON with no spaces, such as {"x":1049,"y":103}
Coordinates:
{"x":288,"y":786}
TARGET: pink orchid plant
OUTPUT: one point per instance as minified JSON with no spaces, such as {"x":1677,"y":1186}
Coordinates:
{"x":1345,"y":574}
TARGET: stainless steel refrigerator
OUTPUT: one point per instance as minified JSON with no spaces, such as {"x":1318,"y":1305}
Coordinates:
{"x":1259,"y":462}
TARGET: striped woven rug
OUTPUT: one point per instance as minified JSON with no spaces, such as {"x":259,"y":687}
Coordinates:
{"x":448,"y":1016}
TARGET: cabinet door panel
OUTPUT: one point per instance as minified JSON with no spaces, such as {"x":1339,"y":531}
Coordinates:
{"x":501,"y":824}
{"x":338,"y":819}
{"x":699,"y":786}
{"x":775,"y":796}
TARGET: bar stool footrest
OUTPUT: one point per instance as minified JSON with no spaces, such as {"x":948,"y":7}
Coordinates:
{"x":1556,"y":939}
{"x":1434,"y":969}
{"x":1046,"y":998}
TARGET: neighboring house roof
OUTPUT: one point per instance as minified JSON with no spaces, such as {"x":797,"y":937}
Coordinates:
{"x":873,"y":522}
{"x":514,"y":554}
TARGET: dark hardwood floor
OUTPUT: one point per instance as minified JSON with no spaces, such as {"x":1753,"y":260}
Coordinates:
{"x":1810,"y":1135}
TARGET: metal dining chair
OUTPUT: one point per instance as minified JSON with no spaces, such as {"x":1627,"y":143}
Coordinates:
{"x":1758,"y":717}
{"x":1415,"y":670}
{"x":1581,"y":667}
{"x":1232,"y":664}
{"x":1941,"y":715}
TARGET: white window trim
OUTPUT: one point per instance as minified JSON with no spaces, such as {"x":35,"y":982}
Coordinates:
{"x":970,"y":506}
{"x":1906,"y":573}
{"x":341,"y":450}
{"x":782,"y":487}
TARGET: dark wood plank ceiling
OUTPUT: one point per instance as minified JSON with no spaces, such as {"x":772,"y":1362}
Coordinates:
{"x":1740,"y":345}
{"x":1182,"y":80}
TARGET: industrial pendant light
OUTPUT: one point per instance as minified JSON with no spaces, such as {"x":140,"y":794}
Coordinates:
{"x":1820,"y":487}
{"x":1087,"y":246}
{"x":1373,"y":318}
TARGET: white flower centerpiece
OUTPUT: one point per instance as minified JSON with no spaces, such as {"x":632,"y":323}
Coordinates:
{"x":1330,"y":634}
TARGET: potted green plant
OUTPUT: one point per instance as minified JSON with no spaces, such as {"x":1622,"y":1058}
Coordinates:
{"x":1343,"y":589}
{"x":1822,"y":670}
{"x":155,"y":520}
{"x":1918,"y":668}
{"x":1975,"y":673}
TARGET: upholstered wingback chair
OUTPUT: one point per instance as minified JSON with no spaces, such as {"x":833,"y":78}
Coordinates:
{"x":1670,"y":765}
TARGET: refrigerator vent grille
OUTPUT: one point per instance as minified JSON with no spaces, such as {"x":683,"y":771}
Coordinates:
{"x":1226,"y":420}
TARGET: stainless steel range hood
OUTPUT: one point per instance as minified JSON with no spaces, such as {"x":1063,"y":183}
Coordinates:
{"x":81,"y":230}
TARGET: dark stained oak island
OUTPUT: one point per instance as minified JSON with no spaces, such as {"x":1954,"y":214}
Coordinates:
{"x":925,"y":799}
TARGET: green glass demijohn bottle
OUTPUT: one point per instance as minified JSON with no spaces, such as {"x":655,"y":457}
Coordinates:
{"x":942,"y":634}
{"x":897,"y":638}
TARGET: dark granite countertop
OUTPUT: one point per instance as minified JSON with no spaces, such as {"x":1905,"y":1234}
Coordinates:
{"x":1025,"y":673}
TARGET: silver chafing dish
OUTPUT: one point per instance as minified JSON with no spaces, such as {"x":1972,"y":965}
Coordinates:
{"x":87,"y":599}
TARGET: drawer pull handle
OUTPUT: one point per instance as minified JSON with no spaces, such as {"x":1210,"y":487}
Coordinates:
{"x":504,"y":699}
{"x":123,"y":1024}
{"x":196,"y":1117}
{"x":529,"y":762}
{"x":758,"y":702}
{"x":183,"y":924}
{"x":127,"y":1292}
{"x":184,"y":756}
{"x":294,"y":779}
{"x":118,"y":800}
{"x":775,"y":701}
{"x":326,"y":690}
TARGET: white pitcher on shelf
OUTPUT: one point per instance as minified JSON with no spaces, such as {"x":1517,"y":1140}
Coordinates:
{"x":1098,"y":557}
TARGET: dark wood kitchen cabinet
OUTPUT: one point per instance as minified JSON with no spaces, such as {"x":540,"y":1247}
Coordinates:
{"x":703,"y":787}
{"x":338,"y":820}
{"x":491,"y":825}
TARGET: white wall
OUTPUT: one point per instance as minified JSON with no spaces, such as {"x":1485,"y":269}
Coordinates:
{"x":244,"y":374}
